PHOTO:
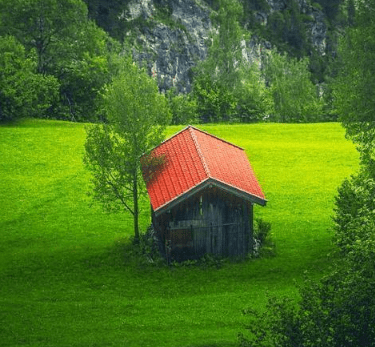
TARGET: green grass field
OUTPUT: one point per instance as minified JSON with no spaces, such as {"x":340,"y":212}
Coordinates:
{"x":65,"y":279}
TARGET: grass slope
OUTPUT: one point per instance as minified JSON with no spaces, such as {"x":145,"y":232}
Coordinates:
{"x":65,"y":279}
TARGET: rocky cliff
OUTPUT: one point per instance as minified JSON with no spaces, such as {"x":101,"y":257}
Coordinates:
{"x":171,"y":45}
{"x":171,"y":36}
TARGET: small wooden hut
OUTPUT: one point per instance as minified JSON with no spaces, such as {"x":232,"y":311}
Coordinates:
{"x":202,"y":191}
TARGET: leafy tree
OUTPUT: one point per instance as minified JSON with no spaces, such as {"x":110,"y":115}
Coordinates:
{"x":22,"y":91}
{"x":226,"y":85}
{"x":67,"y":46}
{"x":106,"y":15}
{"x":330,"y":7}
{"x":137,"y":117}
{"x":215,"y":102}
{"x":354,"y":90}
{"x":217,"y":76}
{"x":225,"y":54}
{"x":254,"y":100}
{"x":295,"y":97}
{"x":183,"y":107}
{"x":84,"y":70}
{"x":354,"y":201}
{"x":287,"y":29}
{"x":48,"y":26}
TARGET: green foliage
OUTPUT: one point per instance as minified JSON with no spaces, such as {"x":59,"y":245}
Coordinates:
{"x":317,"y":6}
{"x":84,"y":71}
{"x":354,"y":212}
{"x":137,"y":117}
{"x":68,"y":48}
{"x":287,"y":30}
{"x":354,"y":89}
{"x":330,"y":8}
{"x":254,"y":100}
{"x":261,"y":229}
{"x":226,"y":50}
{"x":257,"y":5}
{"x":145,"y":250}
{"x":22,"y":91}
{"x":294,"y":95}
{"x":207,"y":261}
{"x":217,"y":76}
{"x":226,"y":86}
{"x":350,"y":12}
{"x":48,"y":26}
{"x":163,"y":14}
{"x":215,"y":102}
{"x":262,"y":243}
{"x":249,"y":101}
{"x":338,"y":310}
{"x":183,"y":107}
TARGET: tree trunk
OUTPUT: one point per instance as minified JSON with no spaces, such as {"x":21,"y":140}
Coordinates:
{"x":136,"y":209}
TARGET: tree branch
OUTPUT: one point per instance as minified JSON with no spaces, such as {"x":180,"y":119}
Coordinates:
{"x":119,"y":196}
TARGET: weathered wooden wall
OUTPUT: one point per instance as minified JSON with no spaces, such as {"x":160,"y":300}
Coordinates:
{"x":209,"y":222}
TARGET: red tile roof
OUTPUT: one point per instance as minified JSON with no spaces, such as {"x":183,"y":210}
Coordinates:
{"x":193,"y":159}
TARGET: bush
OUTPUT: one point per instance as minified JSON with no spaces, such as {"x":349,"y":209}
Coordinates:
{"x":338,"y":310}
{"x":183,"y":108}
{"x":355,"y":211}
{"x":262,"y":244}
{"x":146,"y":249}
{"x":261,"y":229}
{"x":215,"y":101}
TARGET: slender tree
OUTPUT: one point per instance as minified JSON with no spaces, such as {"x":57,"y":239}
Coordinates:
{"x":295,"y":96}
{"x":227,"y":85}
{"x":137,"y":118}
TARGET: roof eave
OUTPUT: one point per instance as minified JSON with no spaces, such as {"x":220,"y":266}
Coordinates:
{"x":239,"y":192}
{"x":206,"y":183}
{"x":182,"y":197}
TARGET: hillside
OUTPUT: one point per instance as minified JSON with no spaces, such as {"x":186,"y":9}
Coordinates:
{"x":67,"y":274}
{"x":172,"y":36}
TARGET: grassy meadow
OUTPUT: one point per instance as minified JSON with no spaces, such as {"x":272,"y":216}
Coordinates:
{"x":66,"y":278}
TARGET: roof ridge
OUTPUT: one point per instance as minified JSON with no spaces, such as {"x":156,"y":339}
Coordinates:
{"x":167,"y":140}
{"x":195,"y":140}
{"x":215,"y":137}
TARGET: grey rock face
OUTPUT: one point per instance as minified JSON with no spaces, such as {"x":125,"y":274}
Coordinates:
{"x":172,"y":50}
{"x":319,"y":32}
{"x":171,"y":47}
